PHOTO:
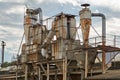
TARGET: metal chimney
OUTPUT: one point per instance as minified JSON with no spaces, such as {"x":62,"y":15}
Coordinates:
{"x":3,"y":44}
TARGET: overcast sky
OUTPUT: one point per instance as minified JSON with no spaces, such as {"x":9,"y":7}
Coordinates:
{"x":12,"y":17}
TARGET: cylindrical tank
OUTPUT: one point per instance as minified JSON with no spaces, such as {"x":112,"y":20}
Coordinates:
{"x":60,"y":24}
{"x":29,"y":21}
{"x":39,"y":34}
{"x":85,"y":14}
{"x":65,"y":26}
{"x":85,"y":21}
{"x":65,"y":29}
{"x":72,"y":28}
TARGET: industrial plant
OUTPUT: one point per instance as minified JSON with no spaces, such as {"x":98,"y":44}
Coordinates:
{"x":58,"y":53}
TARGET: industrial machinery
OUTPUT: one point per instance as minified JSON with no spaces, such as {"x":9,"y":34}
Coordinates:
{"x":56,"y":54}
{"x":45,"y":58}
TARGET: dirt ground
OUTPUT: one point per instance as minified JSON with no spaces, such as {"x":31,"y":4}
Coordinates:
{"x":109,"y":75}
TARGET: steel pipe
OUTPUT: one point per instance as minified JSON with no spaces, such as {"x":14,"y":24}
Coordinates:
{"x":103,"y":24}
{"x":103,"y":39}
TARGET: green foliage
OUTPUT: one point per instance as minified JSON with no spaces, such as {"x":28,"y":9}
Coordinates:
{"x":6,"y":64}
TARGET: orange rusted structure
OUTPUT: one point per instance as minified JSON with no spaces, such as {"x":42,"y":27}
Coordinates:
{"x":56,"y":54}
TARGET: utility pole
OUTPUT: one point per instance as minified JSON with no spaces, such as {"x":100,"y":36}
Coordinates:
{"x":3,"y":44}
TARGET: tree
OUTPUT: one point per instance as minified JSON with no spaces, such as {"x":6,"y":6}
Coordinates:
{"x":5,"y":64}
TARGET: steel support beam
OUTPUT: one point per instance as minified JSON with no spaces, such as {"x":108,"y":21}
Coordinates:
{"x":65,"y":68}
{"x":48,"y":71}
{"x":26,"y":72}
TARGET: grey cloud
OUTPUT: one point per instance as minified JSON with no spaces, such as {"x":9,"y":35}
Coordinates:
{"x":9,"y":19}
{"x":50,"y":8}
{"x":109,"y":13}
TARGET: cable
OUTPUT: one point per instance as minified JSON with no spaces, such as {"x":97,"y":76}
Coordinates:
{"x":96,"y":31}
{"x":21,"y":43}
{"x":22,"y":36}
